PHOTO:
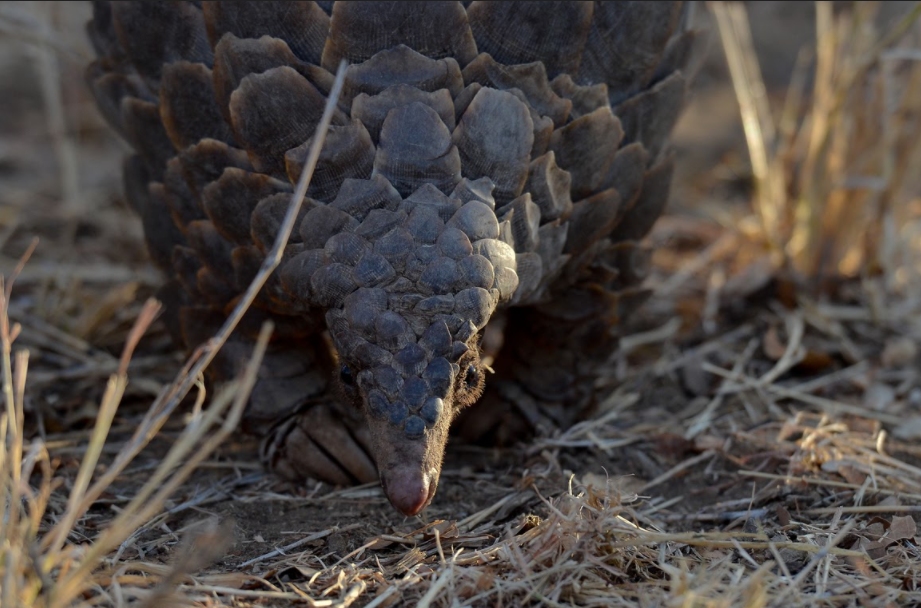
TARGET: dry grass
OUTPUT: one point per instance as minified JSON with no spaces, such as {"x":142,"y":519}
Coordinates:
{"x":759,"y":447}
{"x":837,"y":173}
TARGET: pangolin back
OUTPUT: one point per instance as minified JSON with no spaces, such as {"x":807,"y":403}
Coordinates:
{"x":483,"y":156}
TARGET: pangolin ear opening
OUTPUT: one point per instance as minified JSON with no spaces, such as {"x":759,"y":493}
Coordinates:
{"x":471,"y":379}
{"x":479,"y":340}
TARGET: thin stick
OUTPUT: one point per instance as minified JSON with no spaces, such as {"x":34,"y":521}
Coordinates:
{"x":23,"y":260}
{"x":115,"y":388}
{"x":735,"y":34}
{"x":64,"y":148}
{"x":746,"y":383}
{"x":677,"y":469}
{"x":190,"y":451}
{"x":297,"y":543}
{"x":202,"y":357}
{"x":792,"y":354}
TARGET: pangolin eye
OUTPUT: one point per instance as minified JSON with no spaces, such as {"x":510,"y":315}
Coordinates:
{"x":472,"y":376}
{"x":345,"y":374}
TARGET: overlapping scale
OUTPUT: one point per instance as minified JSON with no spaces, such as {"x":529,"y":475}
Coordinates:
{"x":416,"y":148}
{"x":110,"y":87}
{"x":593,"y":218}
{"x":585,"y":99}
{"x":625,"y":43}
{"x":188,"y":107}
{"x":268,"y":216}
{"x":303,"y":26}
{"x":183,"y":204}
{"x":273,"y":112}
{"x":627,"y":171}
{"x":401,"y":65}
{"x":586,"y":148}
{"x":212,"y":249}
{"x":204,"y":163}
{"x":236,"y":58}
{"x":529,"y":78}
{"x":494,"y":138}
{"x":553,"y":33}
{"x":649,"y":117}
{"x":347,"y":153}
{"x":361,"y":197}
{"x":156,"y":34}
{"x":150,"y":201}
{"x":650,"y":204}
{"x":550,"y":187}
{"x":435,"y":29}
{"x":229,"y":202}
{"x":372,"y":110}
{"x":144,"y":130}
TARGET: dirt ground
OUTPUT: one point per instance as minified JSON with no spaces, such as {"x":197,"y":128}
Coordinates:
{"x":692,"y":440}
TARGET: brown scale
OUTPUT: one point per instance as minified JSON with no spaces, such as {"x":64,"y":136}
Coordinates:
{"x":490,"y":167}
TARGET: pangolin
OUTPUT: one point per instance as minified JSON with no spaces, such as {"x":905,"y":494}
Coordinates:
{"x":490,"y":170}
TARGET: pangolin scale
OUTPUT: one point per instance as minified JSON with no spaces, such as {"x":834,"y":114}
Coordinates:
{"x":490,"y":170}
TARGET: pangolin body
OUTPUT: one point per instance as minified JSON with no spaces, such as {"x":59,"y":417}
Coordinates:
{"x":487,"y":160}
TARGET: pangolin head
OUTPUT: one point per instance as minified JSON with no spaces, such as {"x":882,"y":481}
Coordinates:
{"x":407,"y":335}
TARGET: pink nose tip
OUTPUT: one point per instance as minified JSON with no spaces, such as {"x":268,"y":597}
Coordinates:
{"x":407,"y":490}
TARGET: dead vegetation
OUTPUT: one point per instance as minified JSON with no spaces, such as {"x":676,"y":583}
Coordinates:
{"x":759,"y":448}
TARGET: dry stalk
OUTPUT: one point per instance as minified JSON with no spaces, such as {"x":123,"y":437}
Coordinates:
{"x":833,"y":179}
{"x":735,"y":33}
{"x":204,"y":354}
{"x":47,"y":568}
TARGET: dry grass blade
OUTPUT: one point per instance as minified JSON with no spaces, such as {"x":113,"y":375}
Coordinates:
{"x":77,"y":502}
{"x":735,"y":33}
{"x":188,"y":376}
{"x":63,"y":573}
{"x":831,"y":187}
{"x":205,"y":354}
{"x":49,"y":569}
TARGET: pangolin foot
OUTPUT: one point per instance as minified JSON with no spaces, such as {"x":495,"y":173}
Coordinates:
{"x":320,"y":443}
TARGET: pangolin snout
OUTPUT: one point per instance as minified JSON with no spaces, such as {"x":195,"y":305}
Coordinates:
{"x":409,"y":467}
{"x":409,"y":490}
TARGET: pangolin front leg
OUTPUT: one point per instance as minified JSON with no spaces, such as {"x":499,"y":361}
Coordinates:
{"x":308,"y":430}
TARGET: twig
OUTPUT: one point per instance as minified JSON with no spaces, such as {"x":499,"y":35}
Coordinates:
{"x":23,"y":260}
{"x":735,"y":33}
{"x":202,"y":357}
{"x":470,"y":522}
{"x":298,"y":543}
{"x":821,"y":402}
{"x":52,"y":96}
{"x":690,"y":462}
{"x":792,"y":354}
